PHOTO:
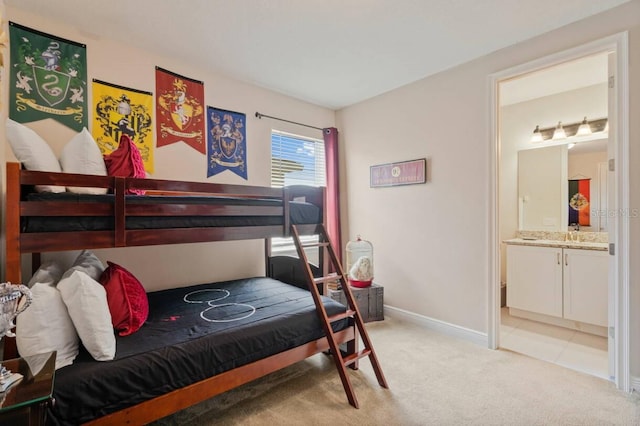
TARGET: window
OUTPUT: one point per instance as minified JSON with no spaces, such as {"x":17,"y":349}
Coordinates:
{"x":296,"y":160}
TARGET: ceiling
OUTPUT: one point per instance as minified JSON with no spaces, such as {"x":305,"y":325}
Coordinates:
{"x":332,"y":53}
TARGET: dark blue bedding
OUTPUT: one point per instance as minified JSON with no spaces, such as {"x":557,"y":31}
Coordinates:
{"x":301,"y":213}
{"x":191,"y":334}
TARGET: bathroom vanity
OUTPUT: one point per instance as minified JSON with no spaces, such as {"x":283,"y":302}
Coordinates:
{"x":560,"y":282}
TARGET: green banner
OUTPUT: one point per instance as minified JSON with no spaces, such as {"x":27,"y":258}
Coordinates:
{"x":48,"y":78}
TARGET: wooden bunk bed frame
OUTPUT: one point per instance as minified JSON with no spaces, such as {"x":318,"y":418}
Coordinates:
{"x":17,"y":243}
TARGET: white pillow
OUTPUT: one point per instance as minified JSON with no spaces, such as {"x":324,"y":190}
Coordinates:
{"x":88,"y":263}
{"x":46,"y":325}
{"x":82,"y":155}
{"x":86,"y":301}
{"x":33,"y":152}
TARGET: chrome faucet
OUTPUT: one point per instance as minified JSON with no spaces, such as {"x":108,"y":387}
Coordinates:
{"x":575,"y":234}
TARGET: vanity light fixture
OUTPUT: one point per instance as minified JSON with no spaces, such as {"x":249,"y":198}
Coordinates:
{"x":559,"y":133}
{"x":537,"y":135}
{"x":578,"y":129}
{"x":584,"y":128}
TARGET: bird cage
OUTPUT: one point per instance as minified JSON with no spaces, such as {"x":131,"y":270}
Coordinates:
{"x":360,"y":262}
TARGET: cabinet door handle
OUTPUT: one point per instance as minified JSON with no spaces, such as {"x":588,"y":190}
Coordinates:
{"x":558,"y":256}
{"x":566,"y":260}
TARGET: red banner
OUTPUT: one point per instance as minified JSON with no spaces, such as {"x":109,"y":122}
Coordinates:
{"x":579,"y":202}
{"x":179,"y":110}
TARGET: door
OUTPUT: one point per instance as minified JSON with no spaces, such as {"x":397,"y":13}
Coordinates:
{"x":612,"y":223}
{"x":603,"y":196}
{"x":618,"y":182}
{"x":534,"y":279}
{"x":585,"y":286}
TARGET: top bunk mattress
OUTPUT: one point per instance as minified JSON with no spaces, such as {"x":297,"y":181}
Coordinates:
{"x":301,"y":213}
{"x":191,"y":334}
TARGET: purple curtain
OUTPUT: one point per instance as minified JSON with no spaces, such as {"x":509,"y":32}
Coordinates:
{"x":330,"y":135}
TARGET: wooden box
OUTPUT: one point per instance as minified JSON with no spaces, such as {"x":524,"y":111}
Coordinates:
{"x":370,"y":301}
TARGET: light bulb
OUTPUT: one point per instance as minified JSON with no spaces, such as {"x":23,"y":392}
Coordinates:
{"x":584,"y":128}
{"x":537,"y":135}
{"x":559,"y":132}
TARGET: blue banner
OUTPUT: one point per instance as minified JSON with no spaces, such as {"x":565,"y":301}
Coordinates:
{"x":226,"y":142}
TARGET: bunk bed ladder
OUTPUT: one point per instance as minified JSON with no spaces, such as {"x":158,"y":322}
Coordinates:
{"x":350,"y":359}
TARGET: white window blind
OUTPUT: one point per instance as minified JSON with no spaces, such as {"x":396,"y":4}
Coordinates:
{"x":296,"y":160}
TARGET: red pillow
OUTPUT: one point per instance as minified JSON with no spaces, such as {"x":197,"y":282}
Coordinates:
{"x":126,"y":162}
{"x":126,"y":297}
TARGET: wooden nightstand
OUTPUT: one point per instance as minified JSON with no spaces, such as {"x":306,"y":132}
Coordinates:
{"x":370,"y":301}
{"x":25,"y":402}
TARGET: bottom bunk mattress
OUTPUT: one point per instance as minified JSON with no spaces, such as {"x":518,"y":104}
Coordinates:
{"x":192,"y":333}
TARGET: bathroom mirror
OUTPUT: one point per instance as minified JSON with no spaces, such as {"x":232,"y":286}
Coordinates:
{"x":544,"y":176}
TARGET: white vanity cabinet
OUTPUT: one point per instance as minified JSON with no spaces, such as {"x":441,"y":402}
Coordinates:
{"x":585,"y":285}
{"x":559,"y":282}
{"x":534,"y":279}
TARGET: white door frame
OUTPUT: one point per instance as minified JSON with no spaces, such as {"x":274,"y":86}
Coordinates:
{"x":619,"y":225}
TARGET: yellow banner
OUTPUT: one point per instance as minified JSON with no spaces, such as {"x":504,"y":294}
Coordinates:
{"x":119,"y":111}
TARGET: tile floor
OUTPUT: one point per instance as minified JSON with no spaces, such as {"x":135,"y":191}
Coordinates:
{"x":569,"y":348}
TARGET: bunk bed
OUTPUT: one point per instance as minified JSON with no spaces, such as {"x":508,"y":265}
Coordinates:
{"x":166,"y":374}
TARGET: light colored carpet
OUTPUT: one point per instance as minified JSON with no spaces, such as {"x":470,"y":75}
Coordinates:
{"x":433,"y":380}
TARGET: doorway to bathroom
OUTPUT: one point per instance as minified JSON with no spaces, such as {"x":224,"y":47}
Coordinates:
{"x":535,"y":172}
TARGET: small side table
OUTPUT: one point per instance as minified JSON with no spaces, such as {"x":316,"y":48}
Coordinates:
{"x":25,"y":402}
{"x":370,"y":301}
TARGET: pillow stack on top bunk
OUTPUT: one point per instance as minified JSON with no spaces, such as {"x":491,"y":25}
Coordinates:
{"x":33,"y":152}
{"x":80,"y":155}
{"x":73,"y":307}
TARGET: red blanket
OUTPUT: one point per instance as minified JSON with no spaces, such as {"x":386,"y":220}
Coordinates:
{"x":126,"y":162}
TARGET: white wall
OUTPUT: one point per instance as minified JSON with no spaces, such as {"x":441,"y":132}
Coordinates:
{"x":584,"y":166}
{"x":167,"y":266}
{"x":431,"y":241}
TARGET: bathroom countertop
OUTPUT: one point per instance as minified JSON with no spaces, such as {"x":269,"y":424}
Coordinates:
{"x":559,"y":244}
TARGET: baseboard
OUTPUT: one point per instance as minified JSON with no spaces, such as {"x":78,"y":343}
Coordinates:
{"x":635,"y":383}
{"x":437,"y":325}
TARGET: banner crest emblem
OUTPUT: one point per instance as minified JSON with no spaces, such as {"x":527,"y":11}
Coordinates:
{"x":52,"y":85}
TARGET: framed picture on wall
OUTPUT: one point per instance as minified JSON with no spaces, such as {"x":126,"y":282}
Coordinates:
{"x":409,"y":172}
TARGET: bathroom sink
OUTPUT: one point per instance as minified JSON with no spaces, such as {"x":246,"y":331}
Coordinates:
{"x":559,"y":243}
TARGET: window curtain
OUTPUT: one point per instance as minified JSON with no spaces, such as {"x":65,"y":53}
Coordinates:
{"x":330,"y":135}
